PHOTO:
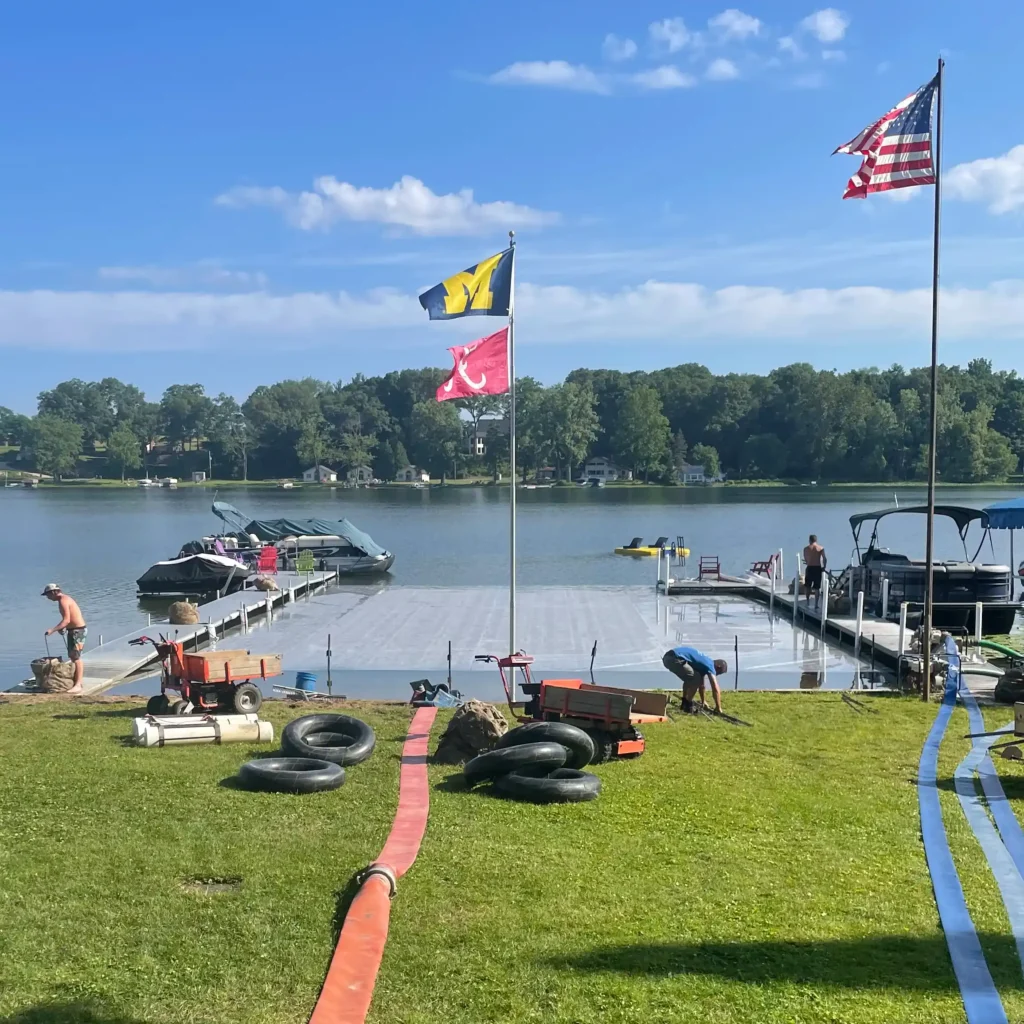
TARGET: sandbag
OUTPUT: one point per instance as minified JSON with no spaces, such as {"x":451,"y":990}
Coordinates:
{"x":265,"y":583}
{"x":182,"y":613}
{"x":54,"y":675}
{"x":474,"y":728}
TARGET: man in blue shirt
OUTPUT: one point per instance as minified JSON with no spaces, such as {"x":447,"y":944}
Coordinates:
{"x":692,"y":666}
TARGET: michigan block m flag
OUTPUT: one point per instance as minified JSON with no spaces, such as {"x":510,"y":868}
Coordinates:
{"x":483,"y":290}
{"x":897,"y":148}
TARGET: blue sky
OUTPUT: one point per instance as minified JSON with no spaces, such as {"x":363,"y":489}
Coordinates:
{"x":233,"y":193}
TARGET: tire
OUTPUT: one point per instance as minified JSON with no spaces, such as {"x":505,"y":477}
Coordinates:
{"x":178,"y":707}
{"x":575,"y":740}
{"x":246,"y":699}
{"x":158,"y":704}
{"x":291,"y":775}
{"x":353,"y":740}
{"x":604,"y":746}
{"x":542,"y":757}
{"x":563,"y":785}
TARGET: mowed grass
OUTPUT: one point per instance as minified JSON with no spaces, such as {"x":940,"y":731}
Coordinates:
{"x":772,"y":874}
{"x":97,"y":839}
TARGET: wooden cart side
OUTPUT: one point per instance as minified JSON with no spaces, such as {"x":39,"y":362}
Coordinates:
{"x":647,"y":702}
{"x":565,"y":700}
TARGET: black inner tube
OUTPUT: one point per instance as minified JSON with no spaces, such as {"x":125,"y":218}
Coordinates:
{"x":543,"y":757}
{"x":563,"y":785}
{"x":579,"y":744}
{"x":291,"y":775}
{"x":351,"y":741}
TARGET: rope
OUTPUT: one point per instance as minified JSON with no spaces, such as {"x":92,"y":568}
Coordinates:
{"x":348,"y":987}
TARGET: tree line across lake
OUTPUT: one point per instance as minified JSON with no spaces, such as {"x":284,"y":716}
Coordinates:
{"x":795,"y":423}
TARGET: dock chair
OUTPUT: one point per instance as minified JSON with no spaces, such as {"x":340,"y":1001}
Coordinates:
{"x":660,"y":542}
{"x":305,"y":562}
{"x":765,"y":568}
{"x":267,"y":563}
{"x":635,"y":542}
{"x":709,"y":568}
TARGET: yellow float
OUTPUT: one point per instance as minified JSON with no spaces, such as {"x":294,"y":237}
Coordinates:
{"x":638,"y":549}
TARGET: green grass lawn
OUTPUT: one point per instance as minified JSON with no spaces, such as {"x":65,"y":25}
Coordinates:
{"x":772,"y":874}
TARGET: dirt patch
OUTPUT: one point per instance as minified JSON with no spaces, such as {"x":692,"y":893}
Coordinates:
{"x":212,"y":886}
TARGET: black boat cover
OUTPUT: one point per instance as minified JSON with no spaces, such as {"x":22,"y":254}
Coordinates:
{"x":271,"y":530}
{"x":195,"y":574}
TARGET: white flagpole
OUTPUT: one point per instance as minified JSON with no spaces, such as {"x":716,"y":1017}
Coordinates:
{"x":512,"y":462}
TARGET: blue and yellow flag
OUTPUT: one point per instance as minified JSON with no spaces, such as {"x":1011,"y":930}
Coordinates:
{"x":483,"y":290}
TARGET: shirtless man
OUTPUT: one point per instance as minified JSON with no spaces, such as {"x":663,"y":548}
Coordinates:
{"x":816,"y":562}
{"x":72,"y":625}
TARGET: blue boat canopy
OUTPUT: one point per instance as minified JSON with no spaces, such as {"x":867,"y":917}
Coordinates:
{"x":271,"y":530}
{"x":1006,"y":515}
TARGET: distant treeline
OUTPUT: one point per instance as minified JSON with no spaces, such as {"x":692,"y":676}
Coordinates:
{"x":794,"y":423}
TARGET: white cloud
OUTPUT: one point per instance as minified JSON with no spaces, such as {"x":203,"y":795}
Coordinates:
{"x":656,"y":311}
{"x":666,"y":77}
{"x":558,"y":74}
{"x":827,"y":25}
{"x":997,"y":181}
{"x":787,"y":44}
{"x":617,"y":49}
{"x":671,"y":33}
{"x":722,"y":70}
{"x":407,"y":204}
{"x":204,"y":272}
{"x":812,"y":80}
{"x":733,"y":24}
{"x":838,"y":56}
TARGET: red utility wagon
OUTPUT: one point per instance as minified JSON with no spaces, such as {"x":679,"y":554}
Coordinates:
{"x":609,"y":715}
{"x":209,"y":680}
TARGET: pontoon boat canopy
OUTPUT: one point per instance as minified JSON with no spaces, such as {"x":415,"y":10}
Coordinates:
{"x":1006,"y":515}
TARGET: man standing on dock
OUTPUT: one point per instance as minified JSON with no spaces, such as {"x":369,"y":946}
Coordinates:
{"x":72,"y":625}
{"x":692,"y":666}
{"x":815,"y":562}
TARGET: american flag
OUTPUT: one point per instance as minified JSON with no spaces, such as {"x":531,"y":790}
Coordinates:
{"x":897,"y":148}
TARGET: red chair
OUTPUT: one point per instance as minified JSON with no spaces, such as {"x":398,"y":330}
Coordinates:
{"x":268,"y":560}
{"x":766,"y":568}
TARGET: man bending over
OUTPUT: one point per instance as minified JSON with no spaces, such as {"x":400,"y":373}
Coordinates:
{"x":72,"y":625}
{"x":692,"y":667}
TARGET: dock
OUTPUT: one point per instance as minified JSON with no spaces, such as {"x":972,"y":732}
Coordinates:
{"x":114,"y":661}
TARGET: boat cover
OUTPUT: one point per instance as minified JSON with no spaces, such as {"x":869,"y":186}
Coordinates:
{"x":960,"y":514}
{"x":271,"y":530}
{"x":1006,"y":515}
{"x":195,"y":574}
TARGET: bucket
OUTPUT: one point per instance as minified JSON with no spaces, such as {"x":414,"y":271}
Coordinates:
{"x":305,"y":681}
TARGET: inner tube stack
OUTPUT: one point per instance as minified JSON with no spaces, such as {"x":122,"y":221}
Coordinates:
{"x":539,"y":762}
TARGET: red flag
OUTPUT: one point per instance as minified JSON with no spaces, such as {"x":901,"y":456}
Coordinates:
{"x":481,"y":368}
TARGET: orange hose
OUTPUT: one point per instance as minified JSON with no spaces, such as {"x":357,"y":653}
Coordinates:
{"x":348,"y":987}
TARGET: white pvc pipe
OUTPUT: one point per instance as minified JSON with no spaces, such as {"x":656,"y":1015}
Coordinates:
{"x":885,"y":597}
{"x":824,"y":603}
{"x":901,"y":645}
{"x":782,"y":569}
{"x":167,"y":730}
{"x":771,"y":597}
{"x":860,"y":624}
{"x":796,"y":596}
{"x":978,"y":610}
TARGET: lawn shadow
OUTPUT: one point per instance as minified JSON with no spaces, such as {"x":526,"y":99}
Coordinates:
{"x":231,"y":782}
{"x":342,"y":901}
{"x":1013,"y":785}
{"x":136,"y":712}
{"x":68,"y":1013}
{"x":879,"y":961}
{"x":68,"y":718}
{"x":454,"y":783}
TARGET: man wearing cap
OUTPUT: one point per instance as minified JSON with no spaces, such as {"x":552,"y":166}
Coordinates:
{"x":72,"y":625}
{"x":691,"y":666}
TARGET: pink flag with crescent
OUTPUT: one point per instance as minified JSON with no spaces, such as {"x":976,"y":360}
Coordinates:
{"x":481,"y":368}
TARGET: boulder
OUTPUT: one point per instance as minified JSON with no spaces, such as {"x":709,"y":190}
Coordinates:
{"x":182,"y":613}
{"x":474,"y":728}
{"x":265,"y":583}
{"x":54,"y":675}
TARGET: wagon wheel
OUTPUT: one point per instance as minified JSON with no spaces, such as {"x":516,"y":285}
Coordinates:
{"x":247,"y":698}
{"x":604,"y":746}
{"x":158,"y":704}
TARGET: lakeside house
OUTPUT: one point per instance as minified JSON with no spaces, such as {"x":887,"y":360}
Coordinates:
{"x":600,"y":468}
{"x":476,"y":439}
{"x":412,"y":475}
{"x":546,"y":474}
{"x":688,"y":474}
{"x":319,"y":475}
{"x":360,"y":475}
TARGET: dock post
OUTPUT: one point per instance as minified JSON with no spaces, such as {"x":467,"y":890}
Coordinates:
{"x":100,"y":644}
{"x":771,"y":599}
{"x":657,"y":582}
{"x":269,"y":605}
{"x":736,"y":661}
{"x":901,"y":644}
{"x":782,"y":568}
{"x":149,"y":618}
{"x":978,"y":614}
{"x":885,"y":598}
{"x":291,"y":595}
{"x":824,"y":603}
{"x":796,"y":597}
{"x":858,"y":629}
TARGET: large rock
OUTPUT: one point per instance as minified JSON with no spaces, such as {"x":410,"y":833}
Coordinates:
{"x":474,"y":728}
{"x":53,"y":675}
{"x":1010,"y":688}
{"x":182,"y":613}
{"x":265,"y":583}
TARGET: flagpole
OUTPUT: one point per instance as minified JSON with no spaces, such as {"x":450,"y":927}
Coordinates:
{"x":929,"y":592}
{"x":512,"y":461}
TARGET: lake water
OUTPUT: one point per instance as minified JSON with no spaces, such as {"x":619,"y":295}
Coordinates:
{"x":96,"y":542}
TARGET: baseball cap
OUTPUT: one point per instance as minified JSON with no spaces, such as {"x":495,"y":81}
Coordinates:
{"x":50,"y":588}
